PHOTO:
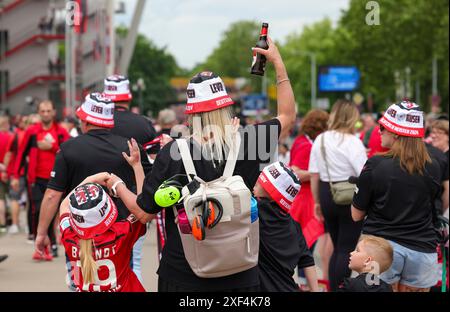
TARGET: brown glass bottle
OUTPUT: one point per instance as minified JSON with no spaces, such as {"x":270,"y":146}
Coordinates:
{"x":259,"y":61}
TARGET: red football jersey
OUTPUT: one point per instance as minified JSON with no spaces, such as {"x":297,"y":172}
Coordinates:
{"x":112,"y":255}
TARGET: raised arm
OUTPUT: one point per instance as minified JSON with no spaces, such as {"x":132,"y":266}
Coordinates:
{"x":134,"y":160}
{"x":285,"y":95}
{"x":129,"y":199}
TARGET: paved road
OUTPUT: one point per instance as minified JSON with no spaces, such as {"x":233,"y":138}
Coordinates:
{"x":20,"y":273}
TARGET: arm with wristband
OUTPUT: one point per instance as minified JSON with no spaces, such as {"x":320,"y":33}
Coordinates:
{"x":119,"y":189}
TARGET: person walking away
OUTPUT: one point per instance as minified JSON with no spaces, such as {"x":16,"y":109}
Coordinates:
{"x":336,"y":155}
{"x":102,"y":152}
{"x":128,"y":125}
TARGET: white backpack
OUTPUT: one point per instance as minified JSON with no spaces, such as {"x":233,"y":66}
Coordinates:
{"x":232,"y":245}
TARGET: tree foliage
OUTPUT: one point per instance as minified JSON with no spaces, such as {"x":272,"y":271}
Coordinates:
{"x":156,"y":67}
{"x":409,"y":35}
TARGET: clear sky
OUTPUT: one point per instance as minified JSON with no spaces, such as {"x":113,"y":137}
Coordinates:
{"x":191,"y":29}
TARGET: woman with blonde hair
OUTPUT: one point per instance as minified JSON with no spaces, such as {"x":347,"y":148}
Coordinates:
{"x":396,"y":190}
{"x":336,"y":155}
{"x":211,"y":125}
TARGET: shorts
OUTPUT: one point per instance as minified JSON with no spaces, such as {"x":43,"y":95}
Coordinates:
{"x":412,"y":268}
{"x":3,"y":190}
{"x":17,"y":195}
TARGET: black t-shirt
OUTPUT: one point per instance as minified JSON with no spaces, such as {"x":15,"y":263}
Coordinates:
{"x":442,"y":160}
{"x":90,"y":153}
{"x":282,"y":246}
{"x":173,"y":265}
{"x":131,"y":125}
{"x":361,"y":284}
{"x":398,"y":204}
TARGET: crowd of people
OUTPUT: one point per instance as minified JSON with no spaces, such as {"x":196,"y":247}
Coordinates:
{"x":366,"y":200}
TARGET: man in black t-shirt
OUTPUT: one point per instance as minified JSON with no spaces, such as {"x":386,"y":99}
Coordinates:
{"x":126,"y":123}
{"x":129,"y":125}
{"x":96,"y":150}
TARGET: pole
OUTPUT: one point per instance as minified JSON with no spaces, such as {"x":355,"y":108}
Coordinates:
{"x":435,"y":77}
{"x":141,"y":102}
{"x":68,"y":65}
{"x":313,"y":80}
{"x":418,"y":92}
{"x":130,"y":40}
{"x":264,"y":85}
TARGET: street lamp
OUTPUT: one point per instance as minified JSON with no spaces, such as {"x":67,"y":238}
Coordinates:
{"x":312,"y":57}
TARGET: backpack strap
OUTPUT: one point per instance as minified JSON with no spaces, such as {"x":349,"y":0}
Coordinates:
{"x":186,"y":158}
{"x":232,"y":156}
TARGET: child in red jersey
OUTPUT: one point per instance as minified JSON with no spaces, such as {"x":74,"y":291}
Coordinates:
{"x":98,"y":247}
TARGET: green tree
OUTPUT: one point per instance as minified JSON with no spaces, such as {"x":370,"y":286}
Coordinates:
{"x":318,"y":39}
{"x":233,"y":56}
{"x":409,"y":34}
{"x":156,"y":66}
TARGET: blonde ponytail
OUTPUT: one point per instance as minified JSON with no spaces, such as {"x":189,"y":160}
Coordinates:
{"x":88,"y":264}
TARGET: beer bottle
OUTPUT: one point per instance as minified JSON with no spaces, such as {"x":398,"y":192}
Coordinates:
{"x":259,"y":60}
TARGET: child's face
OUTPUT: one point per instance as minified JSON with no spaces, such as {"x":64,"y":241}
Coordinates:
{"x":258,"y":190}
{"x":359,"y":259}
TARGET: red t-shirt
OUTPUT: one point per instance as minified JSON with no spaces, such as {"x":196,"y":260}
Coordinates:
{"x":40,"y":162}
{"x":46,"y":159}
{"x":112,"y":255}
{"x":375,"y":143}
{"x":5,"y":140}
{"x":13,"y":147}
{"x":302,"y":209}
{"x":300,"y":153}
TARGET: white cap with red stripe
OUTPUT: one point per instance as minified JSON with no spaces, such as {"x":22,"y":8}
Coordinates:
{"x":117,"y":88}
{"x":97,"y":110}
{"x":206,"y":92}
{"x":404,"y":119}
{"x":281,"y":183}
{"x":92,"y":211}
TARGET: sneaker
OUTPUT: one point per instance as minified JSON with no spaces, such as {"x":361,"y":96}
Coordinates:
{"x":55,"y":251}
{"x":37,"y":256}
{"x":13,"y":229}
{"x":30,"y":239}
{"x":3,"y":258}
{"x":47,"y":255}
{"x":2,"y":229}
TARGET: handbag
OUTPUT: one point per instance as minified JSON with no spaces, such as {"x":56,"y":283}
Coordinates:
{"x":342,"y":192}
